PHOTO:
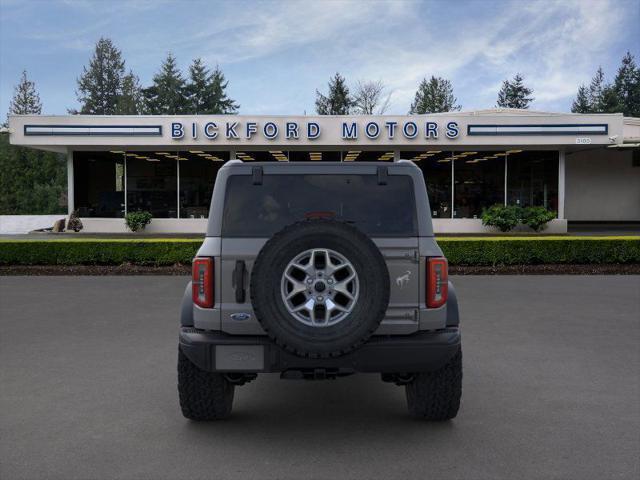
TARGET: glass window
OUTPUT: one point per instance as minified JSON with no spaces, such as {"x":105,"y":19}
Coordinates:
{"x":532,"y":179}
{"x":99,"y":184}
{"x":198,"y":172}
{"x":152,"y":184}
{"x":436,"y":169}
{"x":478,"y":182}
{"x":262,"y":210}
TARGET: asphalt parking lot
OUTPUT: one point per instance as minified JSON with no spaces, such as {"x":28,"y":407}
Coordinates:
{"x":551,"y":390}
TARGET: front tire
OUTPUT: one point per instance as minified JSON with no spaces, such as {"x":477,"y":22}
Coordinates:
{"x":203,"y":395}
{"x":435,"y":396}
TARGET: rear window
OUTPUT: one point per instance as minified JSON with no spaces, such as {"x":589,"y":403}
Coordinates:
{"x":262,"y":210}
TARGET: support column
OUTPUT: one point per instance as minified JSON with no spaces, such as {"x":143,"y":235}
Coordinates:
{"x":232,"y":154}
{"x":396,"y":155}
{"x":561,"y":182}
{"x":70,"y":180}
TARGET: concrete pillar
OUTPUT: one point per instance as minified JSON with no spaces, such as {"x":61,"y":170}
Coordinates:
{"x":561,"y":183}
{"x":396,"y":155}
{"x":70,"y":189}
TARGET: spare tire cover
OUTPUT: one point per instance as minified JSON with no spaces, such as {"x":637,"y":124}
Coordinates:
{"x":320,"y":288}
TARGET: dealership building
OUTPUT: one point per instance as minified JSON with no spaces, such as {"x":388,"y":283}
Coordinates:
{"x":586,"y":168}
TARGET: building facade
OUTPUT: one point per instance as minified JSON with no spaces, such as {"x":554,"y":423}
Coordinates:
{"x":583,"y":167}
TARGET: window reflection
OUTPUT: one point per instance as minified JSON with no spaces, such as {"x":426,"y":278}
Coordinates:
{"x":436,"y":169}
{"x":99,"y":184}
{"x":532,"y":179}
{"x":478,"y":182}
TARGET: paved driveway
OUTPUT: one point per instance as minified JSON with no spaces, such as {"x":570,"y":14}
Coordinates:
{"x":551,"y":390}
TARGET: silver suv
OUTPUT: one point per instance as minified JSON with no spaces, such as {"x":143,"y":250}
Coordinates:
{"x":319,"y":270}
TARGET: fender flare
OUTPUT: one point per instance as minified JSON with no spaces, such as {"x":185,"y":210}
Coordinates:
{"x":453,"y":316}
{"x":186,"y":308}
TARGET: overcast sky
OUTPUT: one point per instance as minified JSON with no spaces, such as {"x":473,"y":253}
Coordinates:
{"x":276,"y":53}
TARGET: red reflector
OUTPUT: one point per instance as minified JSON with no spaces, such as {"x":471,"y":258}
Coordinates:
{"x":202,"y":282}
{"x":437,"y":282}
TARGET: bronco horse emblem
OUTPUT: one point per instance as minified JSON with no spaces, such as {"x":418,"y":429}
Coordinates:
{"x":402,"y":280}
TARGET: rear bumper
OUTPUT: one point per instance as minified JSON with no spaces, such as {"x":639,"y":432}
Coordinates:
{"x":220,"y":352}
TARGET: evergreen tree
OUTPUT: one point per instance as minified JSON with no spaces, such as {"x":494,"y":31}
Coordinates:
{"x":596,"y":91}
{"x":218,"y":100}
{"x":627,"y":86}
{"x":206,"y":92}
{"x":196,"y":89}
{"x":433,"y":96}
{"x":514,"y":94}
{"x":167,"y":95}
{"x":581,"y":104}
{"x":25,"y":99}
{"x":100,"y":85}
{"x":338,"y":101}
{"x":130,"y":101}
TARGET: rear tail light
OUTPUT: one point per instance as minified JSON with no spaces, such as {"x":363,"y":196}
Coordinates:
{"x":202,"y":282}
{"x":437,"y":282}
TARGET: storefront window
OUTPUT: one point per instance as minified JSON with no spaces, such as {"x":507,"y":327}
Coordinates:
{"x":436,"y":169}
{"x":532,"y":178}
{"x":478,"y":182}
{"x":314,"y":156}
{"x":99,"y":184}
{"x":152,"y":184}
{"x":197,"y":174}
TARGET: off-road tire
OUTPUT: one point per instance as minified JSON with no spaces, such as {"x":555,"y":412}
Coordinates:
{"x":310,"y":341}
{"x":436,"y":395}
{"x":203,"y":395}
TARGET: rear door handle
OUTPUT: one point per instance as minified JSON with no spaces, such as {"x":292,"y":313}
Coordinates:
{"x":238,"y":281}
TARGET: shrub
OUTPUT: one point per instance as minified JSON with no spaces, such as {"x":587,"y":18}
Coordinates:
{"x":537,"y":217}
{"x":137,"y":220}
{"x":459,"y":251}
{"x":74,"y":223}
{"x":503,"y":217}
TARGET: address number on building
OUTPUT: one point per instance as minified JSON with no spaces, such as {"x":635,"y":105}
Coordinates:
{"x":583,"y":141}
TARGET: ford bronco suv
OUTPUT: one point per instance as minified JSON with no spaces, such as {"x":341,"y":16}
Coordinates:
{"x":319,"y":270}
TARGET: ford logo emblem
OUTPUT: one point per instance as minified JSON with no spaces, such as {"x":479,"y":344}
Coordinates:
{"x":240,"y":316}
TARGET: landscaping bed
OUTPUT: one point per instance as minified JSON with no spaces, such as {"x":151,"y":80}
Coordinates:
{"x":172,"y":256}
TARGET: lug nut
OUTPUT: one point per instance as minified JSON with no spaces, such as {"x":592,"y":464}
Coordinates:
{"x":320,"y":299}
{"x":330,"y":281}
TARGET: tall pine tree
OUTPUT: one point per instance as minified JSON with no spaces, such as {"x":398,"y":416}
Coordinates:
{"x":100,"y":85}
{"x":514,"y":94}
{"x":627,"y":86}
{"x":130,"y":101}
{"x":25,"y":99}
{"x":433,"y":96}
{"x":31,"y":181}
{"x":582,"y":103}
{"x":338,"y":100}
{"x":206,"y":92}
{"x":167,"y":94}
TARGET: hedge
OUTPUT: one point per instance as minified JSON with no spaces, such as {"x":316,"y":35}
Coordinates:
{"x":459,"y":251}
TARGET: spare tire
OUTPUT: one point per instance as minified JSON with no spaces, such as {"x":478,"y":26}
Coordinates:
{"x":320,"y":288}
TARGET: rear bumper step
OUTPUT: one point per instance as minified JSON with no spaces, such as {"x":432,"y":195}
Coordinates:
{"x":220,"y":352}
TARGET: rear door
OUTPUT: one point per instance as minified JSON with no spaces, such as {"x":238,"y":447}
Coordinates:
{"x":253,"y":212}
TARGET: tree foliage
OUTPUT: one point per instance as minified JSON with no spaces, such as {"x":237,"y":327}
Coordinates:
{"x":25,"y":99}
{"x":167,"y":95}
{"x":100,"y":85}
{"x":31,"y":181}
{"x":131,"y":100}
{"x":623,"y":95}
{"x":514,"y":93}
{"x":433,"y":96}
{"x":206,"y":91}
{"x":338,"y":100}
{"x":371,"y":98}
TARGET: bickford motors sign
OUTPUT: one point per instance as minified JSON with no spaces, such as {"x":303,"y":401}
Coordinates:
{"x":310,"y":130}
